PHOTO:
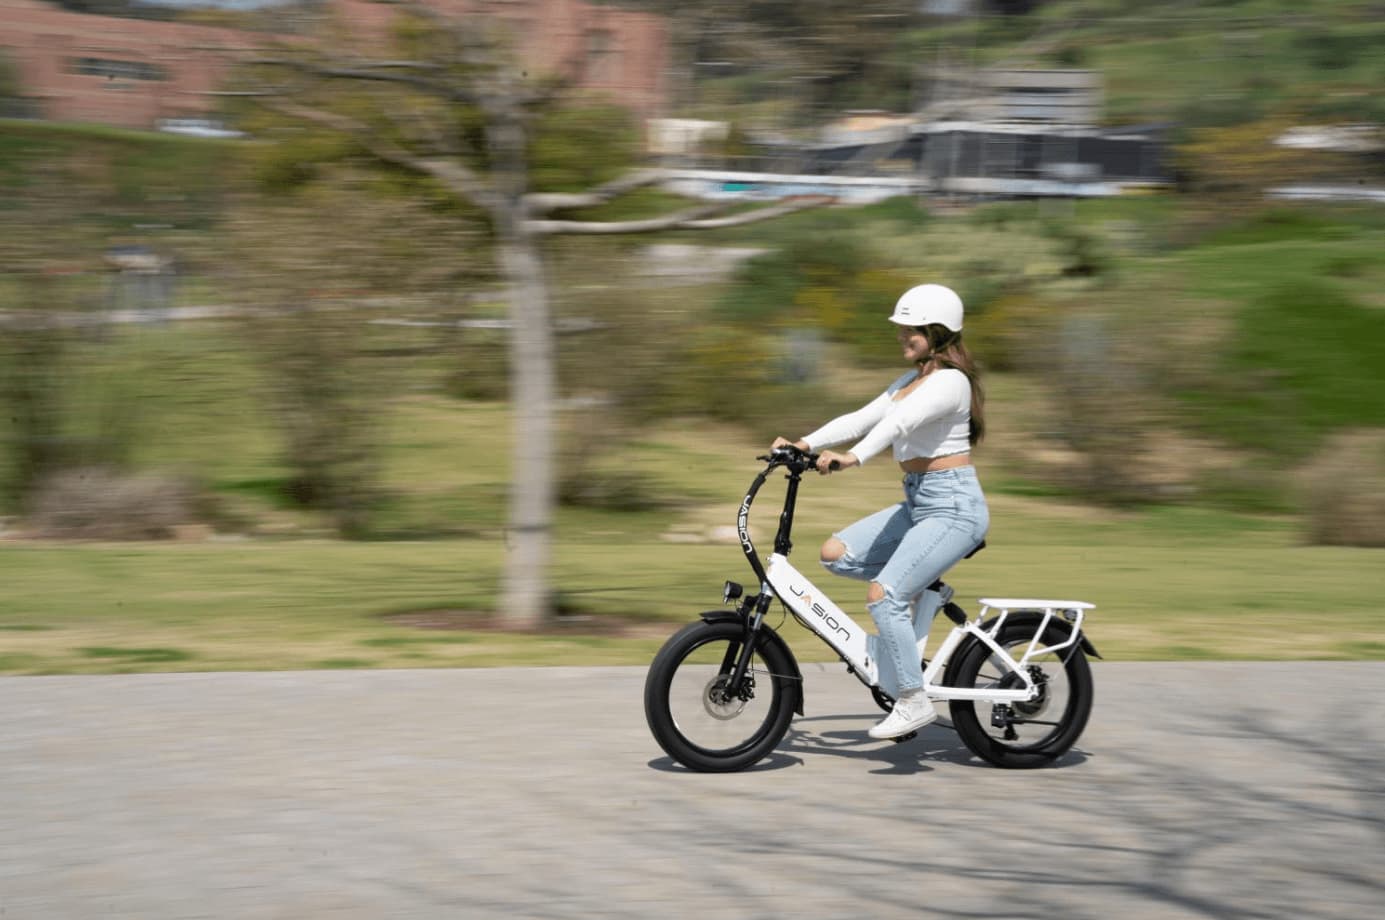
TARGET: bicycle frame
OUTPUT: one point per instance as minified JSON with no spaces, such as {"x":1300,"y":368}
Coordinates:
{"x":818,"y":613}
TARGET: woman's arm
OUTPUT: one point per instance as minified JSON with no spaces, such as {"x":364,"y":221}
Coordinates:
{"x":844,"y":428}
{"x":943,"y":392}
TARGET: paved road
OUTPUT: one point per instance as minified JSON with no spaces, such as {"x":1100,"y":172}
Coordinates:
{"x":1200,"y":790}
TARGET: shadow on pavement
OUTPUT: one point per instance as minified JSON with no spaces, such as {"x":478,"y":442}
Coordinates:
{"x":935,"y":744}
{"x":775,"y":761}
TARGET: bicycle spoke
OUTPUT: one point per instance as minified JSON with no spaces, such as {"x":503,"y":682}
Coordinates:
{"x":1029,"y":724}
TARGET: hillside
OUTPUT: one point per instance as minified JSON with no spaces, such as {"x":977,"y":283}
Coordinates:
{"x":1234,"y":61}
{"x":1203,"y":346}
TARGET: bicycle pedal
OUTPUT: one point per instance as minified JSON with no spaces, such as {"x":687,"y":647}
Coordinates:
{"x":903,"y":738}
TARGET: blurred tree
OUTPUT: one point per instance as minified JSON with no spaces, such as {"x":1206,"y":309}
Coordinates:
{"x":835,"y":56}
{"x":455,"y":108}
{"x":9,"y":85}
{"x":310,"y":267}
{"x":32,"y":360}
{"x":1231,"y":168}
{"x":49,"y":263}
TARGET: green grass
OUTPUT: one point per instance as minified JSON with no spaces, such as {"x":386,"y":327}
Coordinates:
{"x":1219,"y":63}
{"x":1306,"y":353}
{"x":1169,"y":583}
{"x":146,"y":177}
{"x":1196,"y":64}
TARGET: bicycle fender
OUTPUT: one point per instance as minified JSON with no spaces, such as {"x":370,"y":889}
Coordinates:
{"x":767,"y":637}
{"x":1024,"y":618}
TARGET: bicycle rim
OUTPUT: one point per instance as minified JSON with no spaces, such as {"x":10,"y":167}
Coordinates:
{"x":1041,"y":726}
{"x":712,"y":718}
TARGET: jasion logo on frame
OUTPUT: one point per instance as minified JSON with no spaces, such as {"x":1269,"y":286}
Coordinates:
{"x":743,"y":525}
{"x":820,"y":611}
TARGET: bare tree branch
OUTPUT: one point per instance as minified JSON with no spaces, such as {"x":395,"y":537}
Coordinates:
{"x":544,"y":203}
{"x":691,"y":219}
{"x":750,"y":217}
{"x":645,"y":225}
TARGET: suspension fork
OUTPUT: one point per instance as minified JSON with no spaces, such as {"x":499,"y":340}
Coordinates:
{"x":752,"y":632}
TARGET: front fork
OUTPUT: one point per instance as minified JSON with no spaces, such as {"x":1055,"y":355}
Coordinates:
{"x":752,"y":612}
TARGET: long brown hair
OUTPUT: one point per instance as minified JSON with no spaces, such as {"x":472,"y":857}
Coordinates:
{"x":946,"y":349}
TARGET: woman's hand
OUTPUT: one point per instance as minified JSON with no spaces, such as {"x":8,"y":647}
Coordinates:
{"x":785,"y":442}
{"x":843,"y":461}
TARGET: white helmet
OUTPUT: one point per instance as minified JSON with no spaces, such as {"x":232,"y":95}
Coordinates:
{"x":927,"y":304}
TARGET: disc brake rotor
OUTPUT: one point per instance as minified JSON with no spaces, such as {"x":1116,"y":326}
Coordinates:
{"x":719,"y":704}
{"x":1029,"y":708}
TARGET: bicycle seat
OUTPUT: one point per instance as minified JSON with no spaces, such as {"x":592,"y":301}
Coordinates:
{"x":937,"y":585}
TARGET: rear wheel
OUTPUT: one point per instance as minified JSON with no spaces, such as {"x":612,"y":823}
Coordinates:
{"x":699,"y":718}
{"x":1032,"y":733}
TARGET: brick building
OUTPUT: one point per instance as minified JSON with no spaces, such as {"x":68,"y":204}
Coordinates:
{"x":133,"y":72}
{"x":125,"y":72}
{"x":601,"y":49}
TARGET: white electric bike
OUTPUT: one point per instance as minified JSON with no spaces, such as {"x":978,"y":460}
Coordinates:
{"x":721,"y":692}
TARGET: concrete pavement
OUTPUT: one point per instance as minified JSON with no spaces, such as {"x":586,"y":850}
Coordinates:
{"x":1199,"y":790}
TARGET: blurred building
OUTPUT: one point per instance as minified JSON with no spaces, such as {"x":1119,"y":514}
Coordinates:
{"x":605,"y":50}
{"x":1023,"y":95}
{"x":1030,"y":131}
{"x":125,"y":72}
{"x":991,"y":133}
{"x":136,"y":73}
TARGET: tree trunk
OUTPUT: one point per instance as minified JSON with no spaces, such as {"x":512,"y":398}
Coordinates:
{"x":524,"y":594}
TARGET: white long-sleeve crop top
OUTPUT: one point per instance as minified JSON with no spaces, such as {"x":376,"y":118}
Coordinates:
{"x":934,"y":420}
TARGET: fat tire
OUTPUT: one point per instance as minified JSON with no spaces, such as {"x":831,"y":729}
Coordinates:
{"x":783,"y":686}
{"x":1071,"y":723}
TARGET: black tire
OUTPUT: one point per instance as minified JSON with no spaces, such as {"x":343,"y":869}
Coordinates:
{"x":1044,"y":729}
{"x":698,"y":727}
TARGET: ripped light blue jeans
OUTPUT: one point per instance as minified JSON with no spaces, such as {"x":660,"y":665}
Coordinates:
{"x":908,"y":546}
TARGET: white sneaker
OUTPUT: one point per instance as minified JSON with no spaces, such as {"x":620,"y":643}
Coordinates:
{"x":911,"y":712}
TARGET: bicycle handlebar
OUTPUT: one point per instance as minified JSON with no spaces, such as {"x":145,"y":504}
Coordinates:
{"x":792,"y":456}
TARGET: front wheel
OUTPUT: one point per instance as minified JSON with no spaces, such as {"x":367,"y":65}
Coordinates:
{"x":1023,"y":734}
{"x":702,"y":721}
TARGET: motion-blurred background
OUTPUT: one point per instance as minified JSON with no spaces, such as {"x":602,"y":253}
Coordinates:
{"x":357,"y":334}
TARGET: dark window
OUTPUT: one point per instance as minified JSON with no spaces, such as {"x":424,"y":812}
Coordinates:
{"x":603,"y":56}
{"x":113,"y":69}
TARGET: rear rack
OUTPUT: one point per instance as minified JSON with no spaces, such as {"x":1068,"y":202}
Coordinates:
{"x":1072,"y":611}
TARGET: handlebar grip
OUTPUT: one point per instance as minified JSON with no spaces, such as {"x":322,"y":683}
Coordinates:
{"x":834,"y":465}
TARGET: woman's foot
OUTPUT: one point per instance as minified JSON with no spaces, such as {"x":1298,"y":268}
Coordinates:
{"x":912,"y":711}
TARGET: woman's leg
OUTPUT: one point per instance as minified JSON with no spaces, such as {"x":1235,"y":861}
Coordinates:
{"x":861,"y":550}
{"x":927,"y":551}
{"x":951,"y":520}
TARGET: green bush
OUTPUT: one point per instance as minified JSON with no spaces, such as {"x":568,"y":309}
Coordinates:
{"x":1334,"y":49}
{"x":834,"y":285}
{"x":93,"y":503}
{"x":610,"y":490}
{"x":1343,"y":490}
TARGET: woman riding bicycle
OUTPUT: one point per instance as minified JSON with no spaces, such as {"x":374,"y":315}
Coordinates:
{"x":932,"y":416}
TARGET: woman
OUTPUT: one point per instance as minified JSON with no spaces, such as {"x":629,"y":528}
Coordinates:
{"x":932,"y":416}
